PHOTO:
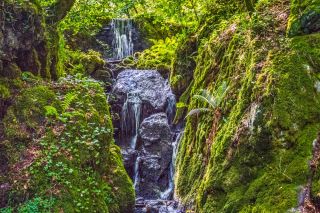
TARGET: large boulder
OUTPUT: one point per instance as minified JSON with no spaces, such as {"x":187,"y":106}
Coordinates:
{"x":144,"y":87}
{"x":151,"y":86}
{"x":155,"y":147}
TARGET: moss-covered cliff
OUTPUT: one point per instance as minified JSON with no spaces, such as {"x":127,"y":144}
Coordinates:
{"x":57,"y":152}
{"x":251,"y":153}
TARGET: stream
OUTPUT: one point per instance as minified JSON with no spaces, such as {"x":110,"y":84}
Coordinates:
{"x":145,"y":132}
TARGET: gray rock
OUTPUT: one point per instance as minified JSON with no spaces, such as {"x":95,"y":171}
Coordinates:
{"x":155,"y":139}
{"x":150,"y":85}
{"x":154,"y":130}
{"x":129,"y":157}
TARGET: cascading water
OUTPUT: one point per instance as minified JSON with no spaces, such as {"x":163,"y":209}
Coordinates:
{"x":147,"y":133}
{"x":169,"y":192}
{"x":148,"y":138}
{"x":130,"y":118}
{"x":136,"y":173}
{"x":122,"y":38}
{"x":171,"y":107}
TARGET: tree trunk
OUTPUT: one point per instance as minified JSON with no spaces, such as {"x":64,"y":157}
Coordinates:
{"x":59,"y":10}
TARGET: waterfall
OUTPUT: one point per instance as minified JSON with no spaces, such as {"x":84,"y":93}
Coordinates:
{"x":136,"y":173}
{"x":122,"y":38}
{"x":148,"y":137}
{"x":169,"y":192}
{"x":171,"y":107}
{"x":130,"y":118}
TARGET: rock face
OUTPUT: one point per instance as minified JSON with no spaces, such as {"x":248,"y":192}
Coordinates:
{"x":22,"y":40}
{"x":156,"y":150}
{"x":151,"y":86}
{"x":146,"y":106}
{"x":26,"y":43}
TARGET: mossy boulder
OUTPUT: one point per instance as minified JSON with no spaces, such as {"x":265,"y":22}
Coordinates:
{"x":58,"y":142}
{"x":84,"y":62}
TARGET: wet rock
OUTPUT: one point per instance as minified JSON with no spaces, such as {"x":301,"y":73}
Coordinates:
{"x":159,"y":206}
{"x":155,"y":129}
{"x":150,"y":85}
{"x":155,"y":140}
{"x":129,"y":157}
{"x":140,"y":202}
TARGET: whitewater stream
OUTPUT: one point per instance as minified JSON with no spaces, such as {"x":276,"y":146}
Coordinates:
{"x":146,"y":135}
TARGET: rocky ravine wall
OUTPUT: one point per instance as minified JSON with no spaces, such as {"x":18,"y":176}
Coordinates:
{"x":251,"y":154}
{"x":57,"y":152}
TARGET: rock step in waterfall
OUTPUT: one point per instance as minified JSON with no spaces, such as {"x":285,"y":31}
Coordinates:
{"x":148,"y":140}
{"x":122,"y":38}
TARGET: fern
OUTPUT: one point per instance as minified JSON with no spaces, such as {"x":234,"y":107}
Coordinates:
{"x":68,"y":98}
{"x":198,"y":111}
{"x":51,"y":111}
{"x":213,"y":101}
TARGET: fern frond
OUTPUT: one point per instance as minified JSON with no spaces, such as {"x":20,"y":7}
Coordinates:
{"x":68,"y":98}
{"x":221,"y":92}
{"x":198,"y":111}
{"x":210,"y":100}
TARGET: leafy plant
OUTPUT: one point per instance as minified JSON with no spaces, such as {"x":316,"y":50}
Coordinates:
{"x":213,"y":101}
{"x":37,"y":205}
{"x":51,"y":111}
{"x":69,"y":97}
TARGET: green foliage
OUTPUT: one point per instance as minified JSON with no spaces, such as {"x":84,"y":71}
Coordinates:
{"x":6,"y":210}
{"x":158,"y":56}
{"x":256,"y":159}
{"x":87,"y":17}
{"x":37,"y":205}
{"x":213,"y":101}
{"x":51,"y":111}
{"x":74,"y":147}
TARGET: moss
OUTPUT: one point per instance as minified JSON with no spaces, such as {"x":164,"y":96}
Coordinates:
{"x":257,"y":159}
{"x":123,"y":190}
{"x":4,"y":92}
{"x":11,"y":71}
{"x":304,"y":17}
{"x":183,"y":65}
{"x":70,"y":154}
{"x":158,"y":56}
{"x":84,"y":63}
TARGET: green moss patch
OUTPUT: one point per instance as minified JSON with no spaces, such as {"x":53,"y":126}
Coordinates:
{"x":59,"y":142}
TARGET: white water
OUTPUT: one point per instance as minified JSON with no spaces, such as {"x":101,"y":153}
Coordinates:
{"x":122,"y":38}
{"x":130,"y":118}
{"x":171,"y":107}
{"x":136,"y":173}
{"x":166,"y":194}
